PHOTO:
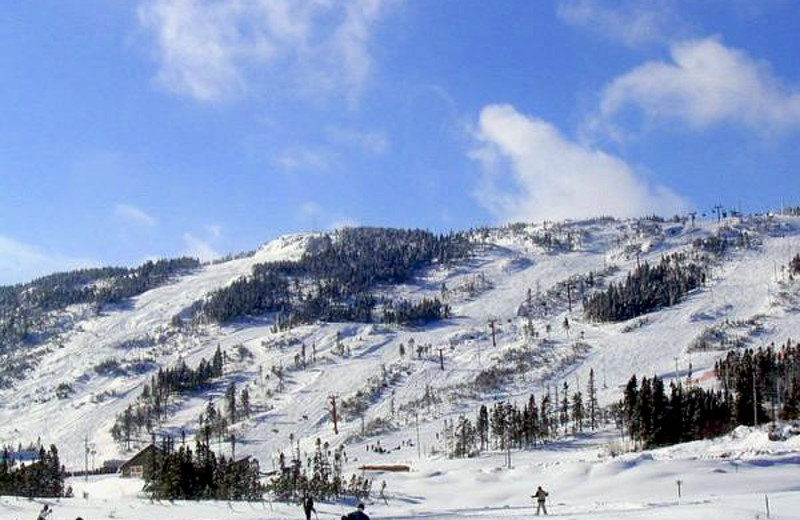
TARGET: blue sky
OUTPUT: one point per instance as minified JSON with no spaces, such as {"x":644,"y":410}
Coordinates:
{"x":152,"y":128}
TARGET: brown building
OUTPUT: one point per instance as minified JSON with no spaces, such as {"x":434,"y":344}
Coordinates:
{"x":141,"y":464}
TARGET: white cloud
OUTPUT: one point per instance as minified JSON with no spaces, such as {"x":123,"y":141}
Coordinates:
{"x":632,"y":23}
{"x":305,"y":159}
{"x":20,"y":262}
{"x":343,"y":222}
{"x":199,"y":248}
{"x":532,"y":172}
{"x":212,"y":50}
{"x":312,"y":213}
{"x":310,"y":209}
{"x":705,"y":84}
{"x":133,"y":214}
{"x":215,"y":230}
{"x":373,"y":143}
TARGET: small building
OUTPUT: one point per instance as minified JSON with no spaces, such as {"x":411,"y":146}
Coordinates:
{"x":141,"y":464}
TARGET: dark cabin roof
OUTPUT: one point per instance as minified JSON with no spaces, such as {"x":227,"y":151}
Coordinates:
{"x":141,"y":458}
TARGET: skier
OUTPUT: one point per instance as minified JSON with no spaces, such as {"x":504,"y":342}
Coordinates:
{"x":44,"y":513}
{"x":383,"y":493}
{"x":308,"y":506}
{"x":540,"y":496}
{"x":358,"y":514}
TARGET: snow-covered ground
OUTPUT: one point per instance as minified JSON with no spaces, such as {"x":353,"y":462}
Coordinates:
{"x":722,"y":479}
{"x":729,"y":478}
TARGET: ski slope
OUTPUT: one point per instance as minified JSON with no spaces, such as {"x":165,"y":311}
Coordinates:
{"x":490,"y":287}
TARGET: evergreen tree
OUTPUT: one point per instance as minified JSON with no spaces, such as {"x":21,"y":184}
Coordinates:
{"x":631,"y":408}
{"x":658,"y":435}
{"x":244,"y":401}
{"x":577,"y":411}
{"x":531,"y":418}
{"x":563,"y":415}
{"x":546,"y":424}
{"x":230,"y":402}
{"x":482,"y":425}
{"x":217,"y":363}
{"x":591,"y":396}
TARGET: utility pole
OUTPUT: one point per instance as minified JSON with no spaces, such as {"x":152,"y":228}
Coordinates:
{"x":755,"y":402}
{"x":569,"y":295}
{"x":494,"y":341}
{"x":333,"y":414}
{"x":441,"y":359}
{"x":508,"y":449}
{"x":86,"y":458}
{"x":718,"y":210}
{"x":774,"y":403}
{"x":419,"y":446}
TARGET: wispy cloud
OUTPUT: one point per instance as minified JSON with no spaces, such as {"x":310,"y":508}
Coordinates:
{"x":631,"y":23}
{"x":312,"y":214}
{"x":305,"y":159}
{"x":198,"y":248}
{"x":370,"y":142}
{"x":215,"y":230}
{"x":532,"y":172}
{"x":133,"y":214}
{"x":706,"y":83}
{"x":20,"y":262}
{"x":344,"y":222}
{"x":310,"y":210}
{"x":212,"y":50}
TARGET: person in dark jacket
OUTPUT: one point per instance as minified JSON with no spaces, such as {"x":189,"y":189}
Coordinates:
{"x":541,"y":497}
{"x":358,"y":514}
{"x":308,"y":506}
{"x":44,"y":514}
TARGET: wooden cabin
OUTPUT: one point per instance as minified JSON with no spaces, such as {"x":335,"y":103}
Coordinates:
{"x":141,"y":464}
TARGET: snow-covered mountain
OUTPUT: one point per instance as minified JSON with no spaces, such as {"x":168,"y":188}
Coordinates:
{"x":514,"y":291}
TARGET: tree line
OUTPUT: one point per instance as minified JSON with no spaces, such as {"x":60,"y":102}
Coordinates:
{"x":750,"y":383}
{"x":23,"y":306}
{"x":646,"y":289}
{"x":336,"y":281}
{"x":184,"y":474}
{"x":754,"y":386}
{"x":652,"y":418}
{"x":42,"y":478}
{"x":768,"y":376}
{"x":505,"y":425}
{"x":321,"y":476}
